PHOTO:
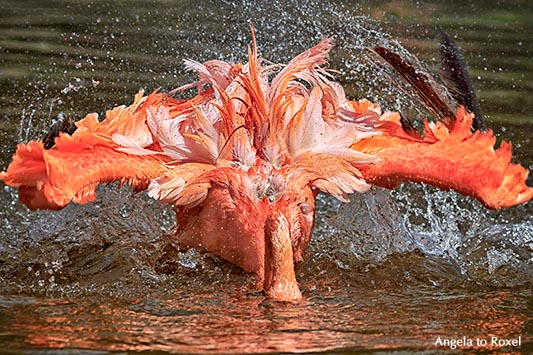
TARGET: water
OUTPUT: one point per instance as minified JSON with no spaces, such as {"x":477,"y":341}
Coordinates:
{"x":397,"y":272}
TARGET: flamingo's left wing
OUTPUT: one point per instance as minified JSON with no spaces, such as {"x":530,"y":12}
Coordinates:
{"x":448,"y":156}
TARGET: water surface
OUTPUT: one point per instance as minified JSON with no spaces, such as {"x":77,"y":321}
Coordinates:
{"x":387,"y":273}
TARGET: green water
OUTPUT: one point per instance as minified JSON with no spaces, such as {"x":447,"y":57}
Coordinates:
{"x":386,"y":273}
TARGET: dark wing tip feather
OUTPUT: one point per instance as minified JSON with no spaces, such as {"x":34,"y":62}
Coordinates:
{"x":66,"y":126}
{"x":420,"y":82}
{"x":456,"y":70}
{"x":407,"y":125}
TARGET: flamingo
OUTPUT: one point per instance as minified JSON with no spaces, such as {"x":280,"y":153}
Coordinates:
{"x":243,"y":161}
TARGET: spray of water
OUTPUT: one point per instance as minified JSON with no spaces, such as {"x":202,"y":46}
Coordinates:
{"x":121,"y":238}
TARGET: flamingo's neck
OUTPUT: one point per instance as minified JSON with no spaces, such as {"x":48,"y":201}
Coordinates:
{"x":280,"y":279}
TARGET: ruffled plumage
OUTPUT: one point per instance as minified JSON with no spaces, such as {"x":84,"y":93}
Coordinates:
{"x":243,"y":161}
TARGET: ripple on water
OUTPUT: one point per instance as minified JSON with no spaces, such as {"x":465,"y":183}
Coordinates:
{"x":385,"y":272}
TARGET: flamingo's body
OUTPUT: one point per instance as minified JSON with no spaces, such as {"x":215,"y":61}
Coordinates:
{"x":243,"y":161}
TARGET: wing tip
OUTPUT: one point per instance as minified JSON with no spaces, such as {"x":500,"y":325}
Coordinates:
{"x":513,"y":189}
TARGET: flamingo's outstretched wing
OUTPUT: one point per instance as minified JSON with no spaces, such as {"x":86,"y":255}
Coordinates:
{"x":50,"y":179}
{"x":119,"y":148}
{"x":448,"y":156}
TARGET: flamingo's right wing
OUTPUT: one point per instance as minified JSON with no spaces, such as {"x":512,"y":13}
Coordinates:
{"x":119,"y":148}
{"x":71,"y":170}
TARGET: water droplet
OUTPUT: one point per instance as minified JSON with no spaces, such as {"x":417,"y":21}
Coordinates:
{"x":189,"y":259}
{"x":497,"y":259}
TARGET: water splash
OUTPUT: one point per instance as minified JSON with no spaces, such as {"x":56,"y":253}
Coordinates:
{"x":453,"y":232}
{"x":501,"y":255}
{"x":439,"y":220}
{"x":121,"y":239}
{"x":368,"y":228}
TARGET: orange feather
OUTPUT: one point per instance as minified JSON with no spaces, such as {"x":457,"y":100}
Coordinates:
{"x":243,"y":161}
